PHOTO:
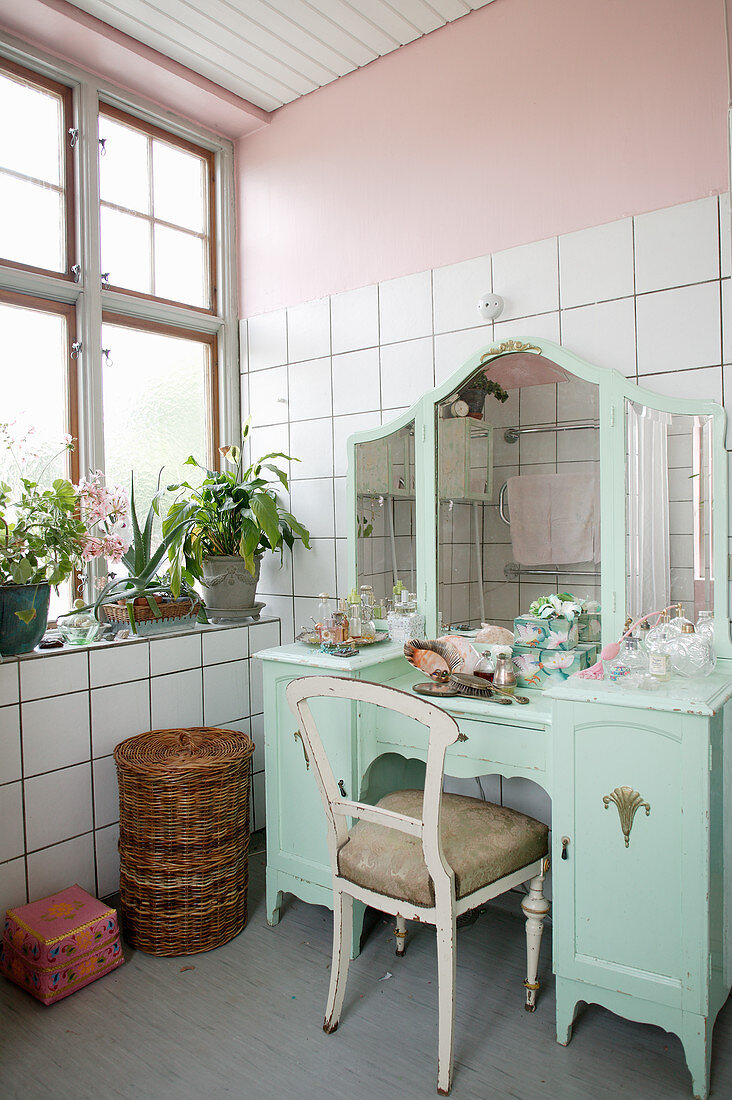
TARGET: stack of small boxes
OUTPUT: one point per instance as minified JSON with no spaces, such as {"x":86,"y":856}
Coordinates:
{"x":547,"y":652}
{"x":59,"y":944}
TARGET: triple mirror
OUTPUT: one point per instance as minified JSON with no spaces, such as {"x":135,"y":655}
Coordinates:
{"x":530,"y":472}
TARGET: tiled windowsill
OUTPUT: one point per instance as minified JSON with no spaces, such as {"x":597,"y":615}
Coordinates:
{"x":94,"y":647}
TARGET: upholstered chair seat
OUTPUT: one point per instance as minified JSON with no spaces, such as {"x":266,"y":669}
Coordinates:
{"x":482,"y":842}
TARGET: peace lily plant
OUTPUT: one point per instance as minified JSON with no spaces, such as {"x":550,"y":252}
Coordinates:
{"x":220,"y":529}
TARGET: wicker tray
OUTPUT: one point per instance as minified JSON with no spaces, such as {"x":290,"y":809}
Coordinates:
{"x":143,"y":613}
{"x":184,"y":838}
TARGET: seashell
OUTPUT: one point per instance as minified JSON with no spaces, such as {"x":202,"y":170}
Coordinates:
{"x":436,"y":659}
{"x":467,"y":651}
{"x":494,"y":635}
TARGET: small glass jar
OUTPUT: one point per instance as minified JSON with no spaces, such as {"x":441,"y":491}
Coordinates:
{"x":705,"y":626}
{"x":485,"y":667}
{"x":657,"y":642}
{"x":630,"y":661}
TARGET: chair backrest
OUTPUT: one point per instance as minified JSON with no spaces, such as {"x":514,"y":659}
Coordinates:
{"x":443,"y":732}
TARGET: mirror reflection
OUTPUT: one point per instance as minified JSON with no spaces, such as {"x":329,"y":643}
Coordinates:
{"x":385,"y":502}
{"x":669,"y":518}
{"x":518,"y":486}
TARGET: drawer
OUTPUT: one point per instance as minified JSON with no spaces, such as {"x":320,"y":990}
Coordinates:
{"x":493,"y":742}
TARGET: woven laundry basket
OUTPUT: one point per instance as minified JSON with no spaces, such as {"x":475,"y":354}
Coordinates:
{"x":183,"y":838}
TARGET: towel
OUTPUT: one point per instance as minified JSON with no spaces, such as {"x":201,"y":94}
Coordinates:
{"x":555,"y":518}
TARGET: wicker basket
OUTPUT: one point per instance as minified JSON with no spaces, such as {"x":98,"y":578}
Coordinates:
{"x":183,"y":838}
{"x":143,"y":613}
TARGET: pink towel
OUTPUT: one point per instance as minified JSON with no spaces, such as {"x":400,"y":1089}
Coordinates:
{"x":555,"y":518}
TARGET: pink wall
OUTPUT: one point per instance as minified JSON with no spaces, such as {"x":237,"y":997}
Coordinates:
{"x":65,"y":31}
{"x":514,"y":123}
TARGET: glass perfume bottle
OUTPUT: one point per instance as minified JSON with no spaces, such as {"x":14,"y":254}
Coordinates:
{"x":485,"y":667}
{"x":340,"y":618}
{"x":679,"y":621}
{"x":631,"y":659}
{"x":705,"y":626}
{"x":657,"y":642}
{"x":690,"y":654}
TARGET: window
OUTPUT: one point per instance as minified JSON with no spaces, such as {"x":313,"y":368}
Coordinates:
{"x":36,"y":172}
{"x":124,"y":345}
{"x":157,"y":213}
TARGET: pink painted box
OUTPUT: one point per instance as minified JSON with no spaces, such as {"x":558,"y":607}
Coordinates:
{"x":59,"y":944}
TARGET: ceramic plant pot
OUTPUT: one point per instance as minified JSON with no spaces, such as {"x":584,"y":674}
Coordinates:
{"x":29,"y":601}
{"x":229,"y":589}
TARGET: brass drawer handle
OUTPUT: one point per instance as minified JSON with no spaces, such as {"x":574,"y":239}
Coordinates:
{"x":628,"y":803}
{"x":305,"y":751}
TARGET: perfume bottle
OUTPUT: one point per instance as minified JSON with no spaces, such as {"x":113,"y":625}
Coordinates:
{"x":340,"y":618}
{"x":631,"y":659}
{"x":485,"y":667}
{"x":505,"y":674}
{"x":679,"y":621}
{"x":705,"y":626}
{"x":657,"y":642}
{"x":690,"y":653}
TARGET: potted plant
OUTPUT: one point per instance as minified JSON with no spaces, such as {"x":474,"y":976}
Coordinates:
{"x":475,"y":392}
{"x":143,"y":595}
{"x":42,"y":537}
{"x":219,"y":530}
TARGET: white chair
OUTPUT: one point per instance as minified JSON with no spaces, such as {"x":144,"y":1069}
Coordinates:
{"x":420,"y":855}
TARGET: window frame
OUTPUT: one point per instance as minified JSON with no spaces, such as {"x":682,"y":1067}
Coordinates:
{"x":84,"y":295}
{"x":108,"y":110}
{"x":65,"y":94}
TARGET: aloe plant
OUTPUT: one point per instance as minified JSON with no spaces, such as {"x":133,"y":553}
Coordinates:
{"x":144,"y":565}
{"x":234,"y":511}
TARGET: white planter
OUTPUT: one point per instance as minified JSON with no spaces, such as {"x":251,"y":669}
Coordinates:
{"x":229,"y":589}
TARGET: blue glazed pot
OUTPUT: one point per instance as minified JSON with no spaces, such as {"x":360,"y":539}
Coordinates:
{"x":17,"y":636}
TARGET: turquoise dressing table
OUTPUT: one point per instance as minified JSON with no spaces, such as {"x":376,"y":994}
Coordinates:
{"x":640,"y":782}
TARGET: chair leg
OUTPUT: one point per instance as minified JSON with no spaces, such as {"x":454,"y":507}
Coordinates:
{"x":401,"y":936}
{"x":446,"y":1001}
{"x":535,"y":907}
{"x":342,"y":929}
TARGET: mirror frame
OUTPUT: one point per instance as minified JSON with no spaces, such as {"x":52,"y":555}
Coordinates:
{"x":614,"y":389}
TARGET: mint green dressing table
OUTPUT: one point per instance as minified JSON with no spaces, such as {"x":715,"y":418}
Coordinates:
{"x":640,"y":782}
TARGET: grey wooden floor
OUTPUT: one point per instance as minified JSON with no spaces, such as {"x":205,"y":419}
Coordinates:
{"x":245,"y":1021}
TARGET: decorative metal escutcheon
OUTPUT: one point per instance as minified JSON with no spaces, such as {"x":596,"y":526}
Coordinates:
{"x":628,"y":803}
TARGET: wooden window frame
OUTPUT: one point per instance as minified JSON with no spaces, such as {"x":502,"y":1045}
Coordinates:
{"x":65,"y":94}
{"x":71,"y":381}
{"x":106,"y":110}
{"x":211,"y":377}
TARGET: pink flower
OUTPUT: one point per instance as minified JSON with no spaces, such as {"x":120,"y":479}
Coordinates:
{"x":92,"y":548}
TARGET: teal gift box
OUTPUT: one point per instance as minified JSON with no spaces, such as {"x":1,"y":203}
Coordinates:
{"x":534,"y":633}
{"x":540,"y":668}
{"x":589,"y":624}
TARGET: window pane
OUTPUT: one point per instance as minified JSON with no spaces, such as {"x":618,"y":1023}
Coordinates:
{"x":32,"y":131}
{"x":180,"y":268}
{"x":123,"y":169}
{"x":155,"y":408}
{"x":33,"y":233}
{"x":126,"y":250}
{"x":179,"y":187}
{"x":35,"y":397}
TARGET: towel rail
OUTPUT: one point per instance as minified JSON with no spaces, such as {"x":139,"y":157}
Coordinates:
{"x":501,"y":504}
{"x":512,"y":571}
{"x":511,"y":434}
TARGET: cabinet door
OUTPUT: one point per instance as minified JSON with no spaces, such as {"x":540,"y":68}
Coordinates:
{"x":630,"y":899}
{"x":295,"y":815}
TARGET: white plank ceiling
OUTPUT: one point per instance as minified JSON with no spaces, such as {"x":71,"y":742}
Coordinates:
{"x":272,"y":51}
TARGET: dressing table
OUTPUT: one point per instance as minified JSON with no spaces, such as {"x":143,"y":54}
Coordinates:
{"x":640,"y":781}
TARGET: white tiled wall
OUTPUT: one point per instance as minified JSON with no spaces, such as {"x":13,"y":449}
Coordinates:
{"x":61,"y":715}
{"x":650,"y":296}
{"x":644,"y":295}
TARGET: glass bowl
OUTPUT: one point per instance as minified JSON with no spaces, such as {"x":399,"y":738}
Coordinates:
{"x":78,"y":627}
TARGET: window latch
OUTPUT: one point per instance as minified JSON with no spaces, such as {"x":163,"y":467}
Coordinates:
{"x":107,"y":353}
{"x":105,"y":279}
{"x":73,"y":132}
{"x":102,"y":147}
{"x":76,"y":349}
{"x":76,"y":272}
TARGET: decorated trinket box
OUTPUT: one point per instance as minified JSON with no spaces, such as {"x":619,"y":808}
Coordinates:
{"x":59,"y":944}
{"x":535,"y":633}
{"x":540,"y":668}
{"x":589,"y":625}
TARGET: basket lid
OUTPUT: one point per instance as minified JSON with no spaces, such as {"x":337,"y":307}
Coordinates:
{"x":181,"y":750}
